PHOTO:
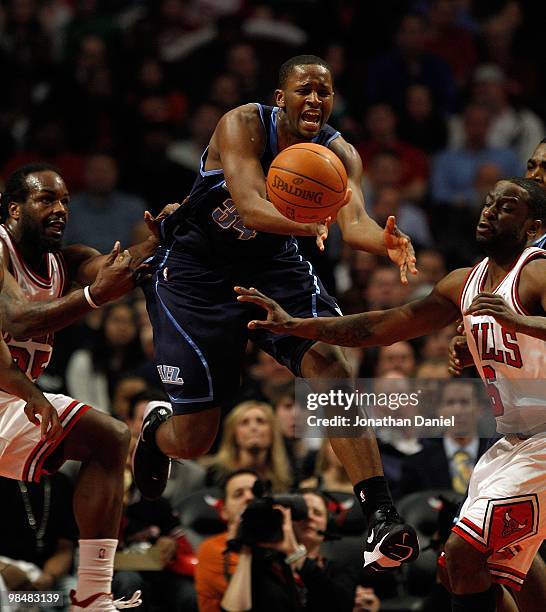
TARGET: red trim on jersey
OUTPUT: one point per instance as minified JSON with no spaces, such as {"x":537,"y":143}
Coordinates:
{"x":507,"y":570}
{"x":39,"y":470}
{"x":515,"y":586}
{"x":470,"y":539}
{"x":515,"y":285}
{"x":35,"y":451}
{"x":466,"y":282}
{"x":62,"y":271}
{"x":482,"y":282}
{"x":33,"y":276}
{"x":473,"y":526}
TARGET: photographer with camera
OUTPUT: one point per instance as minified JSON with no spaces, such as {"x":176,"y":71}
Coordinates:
{"x":281,"y":566}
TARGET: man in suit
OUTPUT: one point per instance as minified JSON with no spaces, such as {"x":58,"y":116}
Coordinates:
{"x":447,"y":462}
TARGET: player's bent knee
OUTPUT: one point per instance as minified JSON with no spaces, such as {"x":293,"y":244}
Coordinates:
{"x":465,"y":565}
{"x":326,"y":361}
{"x":193,"y":434}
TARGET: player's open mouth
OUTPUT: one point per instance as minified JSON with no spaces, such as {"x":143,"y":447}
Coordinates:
{"x":55,"y":227}
{"x":311,"y":120}
{"x":484,"y":228}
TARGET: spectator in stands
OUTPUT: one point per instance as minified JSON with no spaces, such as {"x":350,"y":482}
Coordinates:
{"x":287,"y":413}
{"x":328,"y":473}
{"x":101,"y":214}
{"x":454,"y":171}
{"x":146,"y":523}
{"x":447,"y":462}
{"x":215,"y":564}
{"x":409,"y":63}
{"x":93,"y":373}
{"x":384,"y":289}
{"x":187,"y":153}
{"x":399,"y":356}
{"x":38,"y":533}
{"x":450,"y":41}
{"x":251,"y":439}
{"x":380,"y":124}
{"x":421,"y":124}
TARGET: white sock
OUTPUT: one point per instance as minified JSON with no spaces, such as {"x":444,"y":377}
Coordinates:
{"x":96,"y":567}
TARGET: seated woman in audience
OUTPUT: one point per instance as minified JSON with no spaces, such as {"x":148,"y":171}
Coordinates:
{"x":329,"y":473}
{"x":251,"y":438}
{"x":92,"y":373}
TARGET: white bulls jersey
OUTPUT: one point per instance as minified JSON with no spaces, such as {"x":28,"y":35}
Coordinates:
{"x":33,"y":355}
{"x":513,"y":366}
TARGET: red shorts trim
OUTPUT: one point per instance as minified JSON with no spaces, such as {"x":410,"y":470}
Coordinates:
{"x":470,"y":539}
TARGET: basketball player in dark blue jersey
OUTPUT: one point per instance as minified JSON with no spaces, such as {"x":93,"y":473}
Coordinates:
{"x":227,"y":234}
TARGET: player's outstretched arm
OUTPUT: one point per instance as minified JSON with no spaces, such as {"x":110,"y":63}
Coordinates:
{"x":239,"y":141}
{"x":25,"y":319}
{"x":374,"y":328}
{"x":359,"y":230}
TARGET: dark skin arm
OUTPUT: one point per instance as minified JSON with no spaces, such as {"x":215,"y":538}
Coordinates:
{"x":418,"y":318}
{"x":25,"y":319}
{"x":14,"y":382}
{"x":236,"y":146}
{"x":532,"y":293}
{"x":359,"y":230}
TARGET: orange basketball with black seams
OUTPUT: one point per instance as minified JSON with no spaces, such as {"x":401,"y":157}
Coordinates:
{"x":307,"y":183}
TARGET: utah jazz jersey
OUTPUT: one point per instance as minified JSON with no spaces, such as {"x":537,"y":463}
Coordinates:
{"x":208,"y":223}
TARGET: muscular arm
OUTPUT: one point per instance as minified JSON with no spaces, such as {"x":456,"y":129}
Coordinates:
{"x":418,"y":318}
{"x":239,"y":142}
{"x":359,"y":230}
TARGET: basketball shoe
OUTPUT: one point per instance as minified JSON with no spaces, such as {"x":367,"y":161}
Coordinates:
{"x":390,"y":541}
{"x":151,"y":468}
{"x":103,"y":602}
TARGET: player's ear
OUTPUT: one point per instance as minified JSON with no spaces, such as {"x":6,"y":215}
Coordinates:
{"x":279,"y":98}
{"x":534,"y":228}
{"x":14,"y":210}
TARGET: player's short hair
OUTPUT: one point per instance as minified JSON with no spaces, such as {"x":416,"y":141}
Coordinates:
{"x":537,"y":197}
{"x":543,"y":141}
{"x":17,"y":189}
{"x":300,"y":60}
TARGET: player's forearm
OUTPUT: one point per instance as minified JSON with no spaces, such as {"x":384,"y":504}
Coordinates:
{"x":33,"y":319}
{"x":265,"y":218}
{"x":532,"y":326}
{"x":12,"y":380}
{"x":359,"y":330}
{"x":364,"y":235}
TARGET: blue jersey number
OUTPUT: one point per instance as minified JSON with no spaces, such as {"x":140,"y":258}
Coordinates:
{"x":226,"y":217}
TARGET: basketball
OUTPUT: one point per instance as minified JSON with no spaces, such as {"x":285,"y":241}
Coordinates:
{"x":307,"y":183}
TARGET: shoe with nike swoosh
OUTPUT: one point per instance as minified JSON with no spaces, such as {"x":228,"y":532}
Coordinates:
{"x":151,"y":468}
{"x":390,"y":541}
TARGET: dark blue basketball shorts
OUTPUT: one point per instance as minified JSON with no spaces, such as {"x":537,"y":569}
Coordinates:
{"x":200,"y":330}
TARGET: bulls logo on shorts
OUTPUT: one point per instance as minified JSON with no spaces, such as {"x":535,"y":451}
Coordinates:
{"x":511,"y":522}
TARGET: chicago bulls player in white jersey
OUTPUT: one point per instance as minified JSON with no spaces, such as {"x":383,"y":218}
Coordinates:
{"x":503,"y":521}
{"x":43,"y":293}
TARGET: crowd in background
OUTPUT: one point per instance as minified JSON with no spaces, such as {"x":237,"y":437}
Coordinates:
{"x":440,"y":97}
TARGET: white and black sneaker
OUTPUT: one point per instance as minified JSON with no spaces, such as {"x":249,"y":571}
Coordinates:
{"x":151,"y":468}
{"x":390,"y":541}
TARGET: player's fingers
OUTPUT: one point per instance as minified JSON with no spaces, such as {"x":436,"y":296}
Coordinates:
{"x":260,"y":325}
{"x":390,"y":225}
{"x":404,"y":273}
{"x":31,"y":415}
{"x":251,"y":291}
{"x":114,"y":252}
{"x":348,"y":196}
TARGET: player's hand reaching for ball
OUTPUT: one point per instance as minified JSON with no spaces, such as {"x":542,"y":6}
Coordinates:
{"x":399,"y":249}
{"x":278,"y":320}
{"x":493,"y":305}
{"x":321,"y":232}
{"x":459,"y":355}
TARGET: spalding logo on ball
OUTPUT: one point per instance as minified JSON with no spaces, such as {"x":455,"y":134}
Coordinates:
{"x":307,"y":183}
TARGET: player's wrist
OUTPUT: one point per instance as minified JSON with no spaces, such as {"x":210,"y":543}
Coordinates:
{"x":90,"y":297}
